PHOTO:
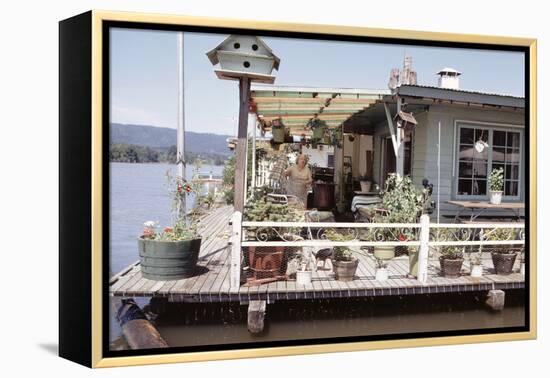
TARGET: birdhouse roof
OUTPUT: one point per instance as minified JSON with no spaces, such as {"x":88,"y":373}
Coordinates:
{"x":214,"y":57}
{"x":407,"y":117}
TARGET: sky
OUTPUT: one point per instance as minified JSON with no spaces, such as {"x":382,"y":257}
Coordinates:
{"x":144,"y":75}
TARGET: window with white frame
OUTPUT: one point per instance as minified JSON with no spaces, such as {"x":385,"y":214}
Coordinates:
{"x":482,"y":149}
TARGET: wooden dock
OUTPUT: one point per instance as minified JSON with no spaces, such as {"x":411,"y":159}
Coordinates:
{"x":211,"y":284}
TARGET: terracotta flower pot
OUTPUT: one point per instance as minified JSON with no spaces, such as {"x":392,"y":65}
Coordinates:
{"x":450,"y":268}
{"x":345,"y":270}
{"x":503,"y":262}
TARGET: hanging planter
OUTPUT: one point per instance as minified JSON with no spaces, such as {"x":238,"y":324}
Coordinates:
{"x":318,"y":127}
{"x":278,"y":131}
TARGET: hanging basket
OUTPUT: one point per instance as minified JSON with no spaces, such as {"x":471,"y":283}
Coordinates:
{"x":319,"y":132}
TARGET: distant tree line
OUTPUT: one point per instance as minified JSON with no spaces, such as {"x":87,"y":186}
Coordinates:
{"x":131,"y":153}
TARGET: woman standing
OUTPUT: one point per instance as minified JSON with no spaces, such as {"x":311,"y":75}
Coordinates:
{"x":299,"y":179}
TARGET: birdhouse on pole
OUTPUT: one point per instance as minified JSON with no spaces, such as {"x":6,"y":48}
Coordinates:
{"x":405,"y":121}
{"x":246,"y":59}
{"x":244,"y":56}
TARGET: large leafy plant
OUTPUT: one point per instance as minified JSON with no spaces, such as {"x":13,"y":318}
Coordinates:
{"x":496,"y":180}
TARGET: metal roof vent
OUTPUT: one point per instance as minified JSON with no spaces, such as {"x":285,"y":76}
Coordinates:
{"x":448,"y":78}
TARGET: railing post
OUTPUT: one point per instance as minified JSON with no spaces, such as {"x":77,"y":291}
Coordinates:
{"x":424,"y":249}
{"x":235,"y":268}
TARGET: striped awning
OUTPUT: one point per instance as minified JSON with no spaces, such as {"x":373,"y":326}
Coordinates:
{"x":297,"y":106}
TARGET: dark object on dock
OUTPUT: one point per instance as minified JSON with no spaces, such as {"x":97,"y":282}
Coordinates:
{"x":168,"y":260}
{"x":323,"y":255}
{"x":503,"y":262}
{"x":137,"y":330}
{"x":450,"y":268}
{"x":256,"y":316}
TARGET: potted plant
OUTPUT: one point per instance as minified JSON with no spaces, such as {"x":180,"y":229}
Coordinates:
{"x":278,"y":131}
{"x":382,"y":273}
{"x":319,"y":128}
{"x":451,"y":256}
{"x":172,"y":253}
{"x":476,"y":265}
{"x":496,"y":185}
{"x":268,"y":262}
{"x":365,"y":182}
{"x":344,"y":263}
{"x":503,"y":255}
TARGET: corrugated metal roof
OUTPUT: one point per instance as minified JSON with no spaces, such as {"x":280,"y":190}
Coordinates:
{"x":461,"y":95}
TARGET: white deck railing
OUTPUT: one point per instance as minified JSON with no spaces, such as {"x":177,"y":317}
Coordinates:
{"x":424,"y":236}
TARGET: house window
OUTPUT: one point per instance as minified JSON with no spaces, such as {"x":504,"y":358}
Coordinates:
{"x":501,"y":148}
{"x":506,"y":156}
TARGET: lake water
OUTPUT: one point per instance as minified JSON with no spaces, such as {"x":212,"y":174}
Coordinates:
{"x":139,"y":194}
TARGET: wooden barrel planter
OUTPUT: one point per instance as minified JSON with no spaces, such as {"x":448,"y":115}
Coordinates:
{"x":503,"y":262}
{"x":168,"y":260}
{"x":266,"y":262}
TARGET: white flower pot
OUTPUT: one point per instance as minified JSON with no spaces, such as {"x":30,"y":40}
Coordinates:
{"x":365,"y":186}
{"x":382,"y":274}
{"x":303,"y":277}
{"x":477,"y":271}
{"x":495,"y":197}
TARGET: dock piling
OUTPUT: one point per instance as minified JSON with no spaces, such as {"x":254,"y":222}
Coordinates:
{"x":256,"y":316}
{"x":495,"y":300}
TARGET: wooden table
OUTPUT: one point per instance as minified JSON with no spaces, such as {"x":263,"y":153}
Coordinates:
{"x":477,"y":208}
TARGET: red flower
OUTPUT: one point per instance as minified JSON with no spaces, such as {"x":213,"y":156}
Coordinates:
{"x":180,"y":188}
{"x":168,"y":229}
{"x":402,"y":237}
{"x":188,"y":188}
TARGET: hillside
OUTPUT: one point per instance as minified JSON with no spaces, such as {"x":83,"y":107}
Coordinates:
{"x":163,"y":137}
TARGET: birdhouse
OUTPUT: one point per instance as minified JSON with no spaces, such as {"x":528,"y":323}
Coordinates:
{"x":243,"y":55}
{"x":405,"y":120}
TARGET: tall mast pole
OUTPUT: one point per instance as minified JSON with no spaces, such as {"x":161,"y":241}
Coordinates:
{"x":180,"y":144}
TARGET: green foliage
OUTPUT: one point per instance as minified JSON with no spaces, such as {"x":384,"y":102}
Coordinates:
{"x":263,"y":211}
{"x":129,"y":153}
{"x":451,"y":252}
{"x":340,"y":253}
{"x":496,"y":180}
{"x":499,"y":234}
{"x":403,"y":202}
{"x":228,"y":178}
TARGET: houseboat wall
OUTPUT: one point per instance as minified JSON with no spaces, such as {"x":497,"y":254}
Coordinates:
{"x":425,"y":151}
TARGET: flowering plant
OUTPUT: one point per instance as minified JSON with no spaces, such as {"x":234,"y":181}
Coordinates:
{"x":496,"y":180}
{"x":185,"y":225}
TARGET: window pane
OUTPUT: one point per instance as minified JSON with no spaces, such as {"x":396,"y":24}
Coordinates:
{"x":480,"y":169}
{"x":464,"y":187}
{"x":512,"y":172}
{"x":466,"y":153}
{"x":482,"y":134}
{"x":466,"y":136}
{"x":499,"y":153}
{"x":511,"y":188}
{"x":465,"y":169}
{"x":512,"y":155}
{"x":499,"y":138}
{"x":479,"y":187}
{"x":512,"y":140}
{"x":483,"y":155}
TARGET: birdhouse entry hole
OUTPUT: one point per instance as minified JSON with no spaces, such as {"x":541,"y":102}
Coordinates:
{"x":254,"y":47}
{"x":246,"y":64}
{"x":236,"y":45}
